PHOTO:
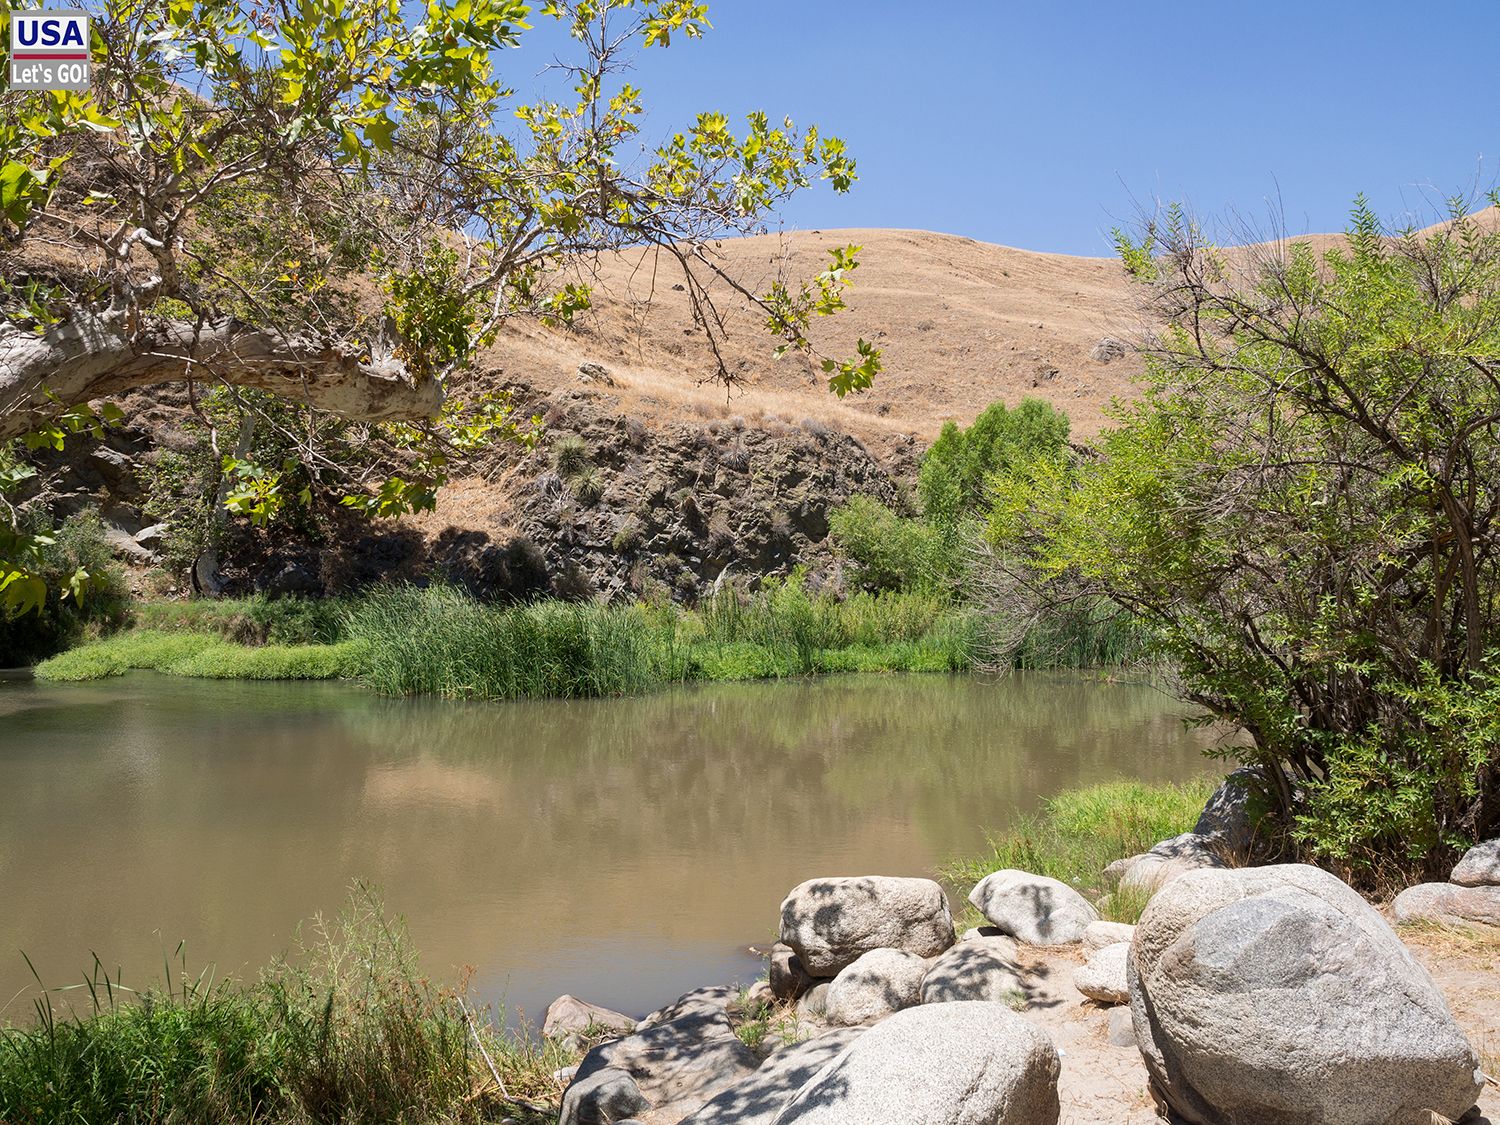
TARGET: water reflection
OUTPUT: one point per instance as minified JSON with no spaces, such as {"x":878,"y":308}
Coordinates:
{"x":620,"y":849}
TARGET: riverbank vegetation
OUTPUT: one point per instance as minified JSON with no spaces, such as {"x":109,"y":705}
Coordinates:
{"x":346,"y":1029}
{"x":1080,"y":832}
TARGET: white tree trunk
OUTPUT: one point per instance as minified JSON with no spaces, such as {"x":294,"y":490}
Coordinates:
{"x":94,"y":355}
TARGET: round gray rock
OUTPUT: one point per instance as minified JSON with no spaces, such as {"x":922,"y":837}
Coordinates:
{"x":880,"y":982}
{"x":1168,"y":860}
{"x":1277,"y":995}
{"x":787,"y":976}
{"x":982,"y":968}
{"x":1448,"y":903}
{"x":1226,"y":816}
{"x":606,"y":1096}
{"x":1103,"y":977}
{"x":1033,"y":908}
{"x":568,"y":1014}
{"x":829,"y":923}
{"x":1480,"y":866}
{"x":1100,"y":934}
{"x":968,"y":1063}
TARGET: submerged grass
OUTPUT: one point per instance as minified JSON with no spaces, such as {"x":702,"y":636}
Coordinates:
{"x":347,"y":1031}
{"x":1080,"y":832}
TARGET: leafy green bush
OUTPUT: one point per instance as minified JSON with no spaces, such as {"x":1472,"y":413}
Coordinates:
{"x":1080,"y":832}
{"x":66,"y":615}
{"x":891,"y":552}
{"x":954,"y":480}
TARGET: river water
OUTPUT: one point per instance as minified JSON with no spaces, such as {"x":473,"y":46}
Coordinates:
{"x":623,"y":850}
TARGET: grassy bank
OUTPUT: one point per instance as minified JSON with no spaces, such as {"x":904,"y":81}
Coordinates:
{"x":348,"y":1030}
{"x":439,"y":641}
{"x":1080,"y":832}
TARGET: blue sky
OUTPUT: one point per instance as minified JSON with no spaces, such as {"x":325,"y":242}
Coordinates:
{"x":1042,"y":125}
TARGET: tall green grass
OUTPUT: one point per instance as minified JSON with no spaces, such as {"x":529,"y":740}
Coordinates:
{"x":1080,"y":832}
{"x":348,"y":1031}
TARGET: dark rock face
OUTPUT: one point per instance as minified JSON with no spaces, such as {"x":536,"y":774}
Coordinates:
{"x":670,"y":511}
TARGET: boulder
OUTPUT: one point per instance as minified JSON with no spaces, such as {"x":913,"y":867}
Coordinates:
{"x":880,"y":982}
{"x":1448,"y":904}
{"x":695,"y":1056}
{"x":709,"y":1001}
{"x":1033,"y":908}
{"x":1107,"y":350}
{"x":1277,"y":995}
{"x":814,"y":1002}
{"x":1226,"y":816}
{"x":568,"y":1014}
{"x":788,"y":978}
{"x":604,"y":1097}
{"x":1102,"y":978}
{"x":829,"y":923}
{"x":980,"y":969}
{"x":967,"y":1063}
{"x":757,"y":1100}
{"x":1100,"y":934}
{"x":1480,"y":866}
{"x":1168,"y":860}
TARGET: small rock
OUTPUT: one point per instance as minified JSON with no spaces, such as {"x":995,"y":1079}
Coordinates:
{"x":814,"y":1002}
{"x":880,"y":982}
{"x":1108,"y":349}
{"x":606,"y":1096}
{"x":568,"y":1014}
{"x":1103,"y":977}
{"x":123,"y":544}
{"x":589,"y":372}
{"x":759,"y":1098}
{"x":153,"y":538}
{"x":758,"y":995}
{"x":1448,"y":903}
{"x":1121,"y":1027}
{"x":1033,"y":908}
{"x":1480,"y":866}
{"x":1100,"y":934}
{"x":830,"y":922}
{"x":788,"y":978}
{"x":968,"y":1063}
{"x":982,"y":968}
{"x":1170,"y":859}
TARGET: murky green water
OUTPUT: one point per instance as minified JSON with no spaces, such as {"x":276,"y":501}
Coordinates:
{"x":622,"y":850}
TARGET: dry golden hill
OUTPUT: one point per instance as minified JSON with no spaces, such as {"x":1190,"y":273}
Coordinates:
{"x":962,"y":324}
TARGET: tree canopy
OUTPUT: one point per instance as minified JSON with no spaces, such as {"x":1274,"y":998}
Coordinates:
{"x":339,"y":202}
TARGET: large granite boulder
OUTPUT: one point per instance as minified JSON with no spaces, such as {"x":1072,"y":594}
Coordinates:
{"x":1448,"y":903}
{"x":982,"y":968}
{"x":966,"y":1063}
{"x":757,"y":1100}
{"x":1033,"y":908}
{"x":693,"y":1057}
{"x":830,"y":922}
{"x":1276,"y":995}
{"x":1480,"y":866}
{"x":1168,"y":859}
{"x":1226,"y":817}
{"x":1102,"y":977}
{"x":880,"y":982}
{"x":568,"y":1014}
{"x":710,"y":1000}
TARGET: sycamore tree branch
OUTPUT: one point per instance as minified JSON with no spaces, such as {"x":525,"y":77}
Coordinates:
{"x":93,"y":355}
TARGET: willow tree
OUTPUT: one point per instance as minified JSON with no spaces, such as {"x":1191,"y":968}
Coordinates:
{"x":1304,"y":508}
{"x":339,"y":202}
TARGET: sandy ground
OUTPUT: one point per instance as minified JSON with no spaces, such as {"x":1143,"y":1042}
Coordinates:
{"x":1102,"y":1083}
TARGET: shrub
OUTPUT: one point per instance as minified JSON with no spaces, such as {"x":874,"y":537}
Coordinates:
{"x":570,"y":456}
{"x":890,"y":552}
{"x":64,"y":618}
{"x":953,"y":482}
